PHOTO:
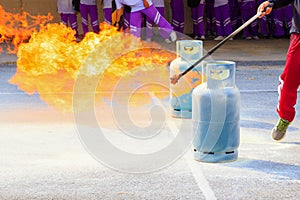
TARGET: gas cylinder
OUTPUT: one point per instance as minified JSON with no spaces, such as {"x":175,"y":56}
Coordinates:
{"x":188,"y":52}
{"x":216,"y":114}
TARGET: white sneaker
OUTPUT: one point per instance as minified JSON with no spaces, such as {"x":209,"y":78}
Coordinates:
{"x":255,"y":37}
{"x":202,"y":37}
{"x":248,"y":38}
{"x":219,"y":38}
{"x":148,"y":40}
{"x":173,"y":36}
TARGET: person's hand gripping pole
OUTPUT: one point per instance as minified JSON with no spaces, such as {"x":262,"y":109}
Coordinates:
{"x":265,"y":8}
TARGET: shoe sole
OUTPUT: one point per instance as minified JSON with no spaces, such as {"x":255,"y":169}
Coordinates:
{"x":277,"y":136}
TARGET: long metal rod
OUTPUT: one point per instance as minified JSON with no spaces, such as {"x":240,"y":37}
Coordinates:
{"x":175,"y":78}
{"x":222,"y":42}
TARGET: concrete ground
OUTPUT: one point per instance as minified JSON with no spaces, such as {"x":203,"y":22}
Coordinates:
{"x":43,"y":156}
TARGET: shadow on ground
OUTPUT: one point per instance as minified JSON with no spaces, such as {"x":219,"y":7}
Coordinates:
{"x":261,"y":125}
{"x":282,"y":171}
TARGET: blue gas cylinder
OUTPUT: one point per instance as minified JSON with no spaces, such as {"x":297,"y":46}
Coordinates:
{"x":216,"y":114}
{"x":188,"y":52}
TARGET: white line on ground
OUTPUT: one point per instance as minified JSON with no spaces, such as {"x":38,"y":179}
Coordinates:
{"x":195,"y":167}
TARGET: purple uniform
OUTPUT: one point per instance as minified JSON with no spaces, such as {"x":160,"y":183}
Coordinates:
{"x":138,"y":9}
{"x":107,"y":10}
{"x":67,"y":14}
{"x":89,"y":8}
{"x":177,"y":8}
{"x":234,"y":13}
{"x":198,"y":21}
{"x":248,"y":10}
{"x":222,"y":16}
{"x":282,"y":20}
{"x":160,"y":6}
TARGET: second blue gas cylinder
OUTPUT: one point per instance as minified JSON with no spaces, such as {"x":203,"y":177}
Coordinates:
{"x":188,"y":52}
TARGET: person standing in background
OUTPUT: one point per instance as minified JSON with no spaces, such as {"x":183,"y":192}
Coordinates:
{"x":248,"y":10}
{"x":177,"y":9}
{"x":223,"y":25}
{"x":68,"y":14}
{"x":289,"y":80}
{"x":89,"y":8}
{"x":197,"y":9}
{"x":147,"y":8}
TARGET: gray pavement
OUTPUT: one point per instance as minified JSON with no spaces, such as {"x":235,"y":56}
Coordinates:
{"x":43,"y":157}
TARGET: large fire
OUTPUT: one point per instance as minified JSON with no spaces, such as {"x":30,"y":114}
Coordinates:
{"x":52,"y":60}
{"x":17,"y":28}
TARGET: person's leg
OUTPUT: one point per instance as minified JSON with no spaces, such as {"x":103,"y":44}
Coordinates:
{"x":210,"y":17}
{"x":253,"y":26}
{"x":225,"y":20}
{"x":198,"y":22}
{"x":150,"y":23}
{"x":149,"y":29}
{"x":64,"y":18}
{"x":218,"y":17}
{"x":73,"y":22}
{"x":84,"y":17}
{"x":278,"y":20}
{"x":245,"y":17}
{"x":136,"y":23}
{"x":288,"y":15}
{"x":126,"y":18}
{"x":94,"y":18}
{"x":290,"y":81}
{"x":287,"y":89}
{"x":161,"y":10}
{"x":195,"y":22}
{"x":233,"y":8}
{"x":254,"y":29}
{"x":154,"y":16}
{"x":263,"y":26}
{"x":107,"y":15}
{"x":177,"y":8}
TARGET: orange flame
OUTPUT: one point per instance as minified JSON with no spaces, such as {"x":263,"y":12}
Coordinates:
{"x":51,"y":62}
{"x":18,"y":28}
